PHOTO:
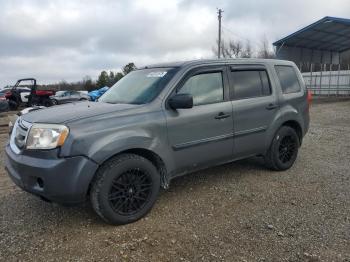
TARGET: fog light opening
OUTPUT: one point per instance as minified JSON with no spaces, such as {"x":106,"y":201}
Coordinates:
{"x":40,"y":182}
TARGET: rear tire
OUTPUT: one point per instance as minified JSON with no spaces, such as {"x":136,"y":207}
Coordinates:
{"x":125,"y":189}
{"x":283,"y":150}
{"x":13,"y":105}
{"x":47,"y":102}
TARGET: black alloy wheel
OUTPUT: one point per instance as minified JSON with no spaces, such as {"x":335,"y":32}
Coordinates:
{"x":125,"y":189}
{"x":287,"y":148}
{"x":283,"y":150}
{"x":130,"y":191}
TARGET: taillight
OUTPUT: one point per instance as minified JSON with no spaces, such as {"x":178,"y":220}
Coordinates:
{"x":309,"y":97}
{"x":8,"y":94}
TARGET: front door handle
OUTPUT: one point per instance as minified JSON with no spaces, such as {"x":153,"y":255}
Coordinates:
{"x":271,"y":106}
{"x":222,"y":115}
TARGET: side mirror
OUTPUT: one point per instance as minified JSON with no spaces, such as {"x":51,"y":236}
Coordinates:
{"x":179,"y":101}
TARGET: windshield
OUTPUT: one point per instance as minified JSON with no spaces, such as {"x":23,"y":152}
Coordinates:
{"x":138,"y":87}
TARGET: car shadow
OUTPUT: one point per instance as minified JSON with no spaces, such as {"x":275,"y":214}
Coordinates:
{"x":231,"y":172}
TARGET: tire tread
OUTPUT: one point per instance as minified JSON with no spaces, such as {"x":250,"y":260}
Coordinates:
{"x":270,"y":157}
{"x":99,"y":178}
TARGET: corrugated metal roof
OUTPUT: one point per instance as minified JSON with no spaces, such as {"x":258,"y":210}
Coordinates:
{"x":329,"y":33}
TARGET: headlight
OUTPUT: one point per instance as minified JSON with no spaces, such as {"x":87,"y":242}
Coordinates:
{"x":46,"y":136}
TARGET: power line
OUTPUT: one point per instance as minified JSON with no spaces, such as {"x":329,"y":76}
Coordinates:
{"x":243,"y":38}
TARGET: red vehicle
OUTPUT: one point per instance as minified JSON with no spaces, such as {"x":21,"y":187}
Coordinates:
{"x":28,"y":94}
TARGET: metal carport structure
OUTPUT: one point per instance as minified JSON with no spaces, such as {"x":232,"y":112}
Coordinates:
{"x":318,"y":50}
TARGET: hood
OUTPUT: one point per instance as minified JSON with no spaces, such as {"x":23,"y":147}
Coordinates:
{"x":73,"y":111}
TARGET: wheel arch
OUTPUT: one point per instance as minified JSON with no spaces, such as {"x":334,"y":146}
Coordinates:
{"x":155,"y":159}
{"x":296,"y":126}
{"x":150,"y":155}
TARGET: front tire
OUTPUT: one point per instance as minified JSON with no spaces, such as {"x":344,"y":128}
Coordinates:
{"x":283,"y":150}
{"x":125,"y":189}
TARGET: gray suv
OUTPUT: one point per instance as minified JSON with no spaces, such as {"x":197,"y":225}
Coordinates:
{"x":157,"y":123}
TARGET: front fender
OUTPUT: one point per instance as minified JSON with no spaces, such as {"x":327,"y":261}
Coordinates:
{"x":107,"y":147}
{"x":100,"y":145}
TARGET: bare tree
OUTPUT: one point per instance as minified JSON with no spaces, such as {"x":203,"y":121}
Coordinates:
{"x":265,"y":50}
{"x":88,"y":84}
{"x":234,"y":49}
{"x":247,"y":52}
{"x":230,"y":49}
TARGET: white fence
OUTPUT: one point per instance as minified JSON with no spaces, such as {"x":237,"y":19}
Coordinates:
{"x":328,"y":82}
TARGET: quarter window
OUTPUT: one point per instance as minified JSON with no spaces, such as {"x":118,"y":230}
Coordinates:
{"x":205,"y":88}
{"x":288,"y":79}
{"x":252,"y":83}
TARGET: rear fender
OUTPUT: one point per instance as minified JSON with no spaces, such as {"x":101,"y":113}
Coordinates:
{"x":286,"y":113}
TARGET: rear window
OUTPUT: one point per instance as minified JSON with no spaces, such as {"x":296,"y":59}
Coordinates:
{"x":288,"y":79}
{"x":252,"y":83}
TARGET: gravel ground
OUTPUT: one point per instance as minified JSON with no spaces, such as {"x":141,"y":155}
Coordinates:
{"x":236,"y":212}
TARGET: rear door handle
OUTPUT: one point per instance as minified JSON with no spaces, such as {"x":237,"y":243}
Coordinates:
{"x":222,"y":115}
{"x":271,"y":106}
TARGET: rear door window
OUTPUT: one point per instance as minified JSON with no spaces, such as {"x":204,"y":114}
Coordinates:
{"x":288,"y":79}
{"x":250,"y":83}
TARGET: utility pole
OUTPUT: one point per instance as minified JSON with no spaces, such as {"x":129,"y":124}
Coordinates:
{"x":219,"y":40}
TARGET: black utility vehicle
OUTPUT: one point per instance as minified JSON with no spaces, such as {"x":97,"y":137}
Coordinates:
{"x":28,"y":95}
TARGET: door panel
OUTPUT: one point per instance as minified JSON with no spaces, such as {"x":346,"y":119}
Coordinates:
{"x":253,"y":115}
{"x":74,"y":96}
{"x":202,"y":135}
{"x":65,"y":98}
{"x":251,"y":120}
{"x":198,"y":136}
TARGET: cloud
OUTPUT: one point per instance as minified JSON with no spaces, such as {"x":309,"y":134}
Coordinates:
{"x":55,"y":40}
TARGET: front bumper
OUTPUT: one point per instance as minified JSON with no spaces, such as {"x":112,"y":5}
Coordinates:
{"x":62,"y":180}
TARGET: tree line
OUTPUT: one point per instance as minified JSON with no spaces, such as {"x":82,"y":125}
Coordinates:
{"x":237,"y":49}
{"x":87,"y":83}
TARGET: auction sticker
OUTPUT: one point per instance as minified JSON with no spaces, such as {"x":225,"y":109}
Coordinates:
{"x":156,"y":74}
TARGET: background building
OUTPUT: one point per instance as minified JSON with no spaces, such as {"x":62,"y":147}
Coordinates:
{"x":322,"y":53}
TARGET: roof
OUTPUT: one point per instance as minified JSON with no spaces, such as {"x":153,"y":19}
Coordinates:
{"x":328,"y":33}
{"x":199,"y":62}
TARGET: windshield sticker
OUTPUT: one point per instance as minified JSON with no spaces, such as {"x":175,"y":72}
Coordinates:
{"x":156,"y":74}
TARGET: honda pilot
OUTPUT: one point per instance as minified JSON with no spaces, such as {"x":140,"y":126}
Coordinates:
{"x":155,"y":124}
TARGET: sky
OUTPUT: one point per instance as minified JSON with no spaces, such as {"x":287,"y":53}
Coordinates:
{"x":68,"y":40}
